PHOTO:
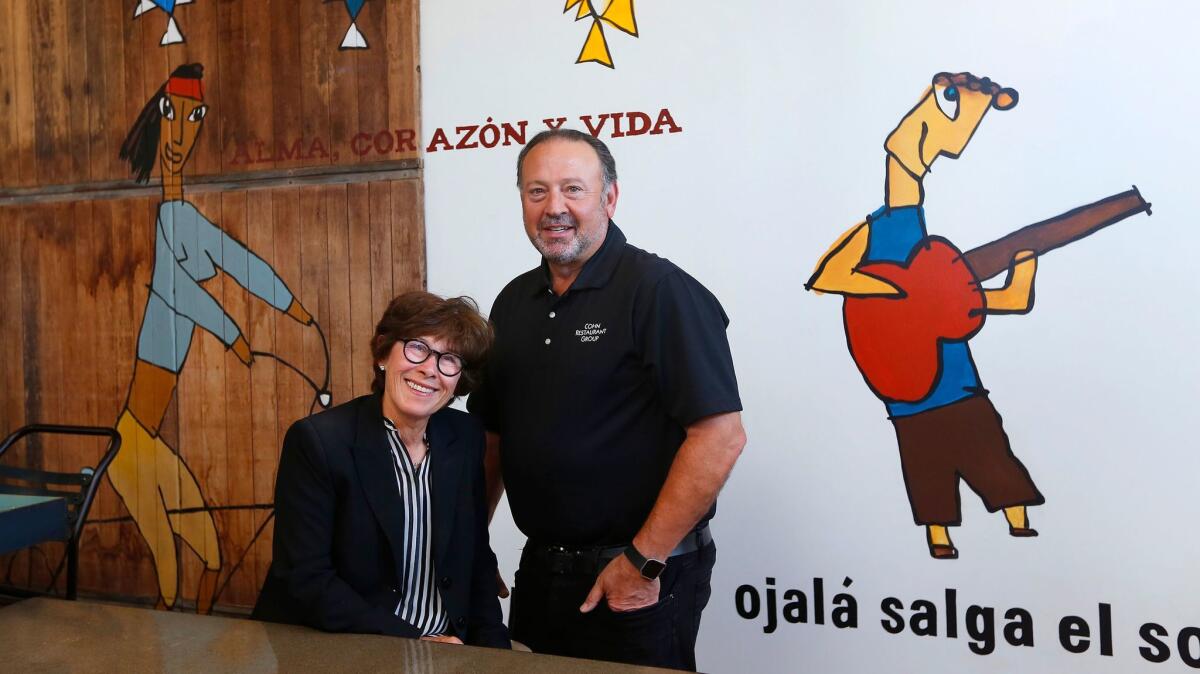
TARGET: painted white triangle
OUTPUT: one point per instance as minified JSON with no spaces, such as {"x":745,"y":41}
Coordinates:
{"x":172,"y":36}
{"x":182,"y":2}
{"x":354,"y":39}
{"x":143,"y":7}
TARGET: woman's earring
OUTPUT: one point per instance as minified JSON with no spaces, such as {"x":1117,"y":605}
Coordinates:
{"x":381,"y":368}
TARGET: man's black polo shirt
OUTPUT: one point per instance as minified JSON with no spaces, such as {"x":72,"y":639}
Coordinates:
{"x":591,"y":392}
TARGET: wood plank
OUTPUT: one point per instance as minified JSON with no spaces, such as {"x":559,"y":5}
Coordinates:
{"x":371,"y":71}
{"x":404,"y":103}
{"x":383,"y":287}
{"x":191,"y":447}
{"x":12,"y":277}
{"x":26,"y":110}
{"x":294,"y":394}
{"x":100,"y":540}
{"x":123,"y":547}
{"x":231,"y":58}
{"x":205,"y":456}
{"x":86,"y":365}
{"x":10,"y":170}
{"x":236,"y":526}
{"x":114,"y":293}
{"x":52,"y":121}
{"x":133,"y":80}
{"x":14,"y":569}
{"x":338,"y":328}
{"x":264,"y":374}
{"x":137,"y":546}
{"x":104,"y":51}
{"x":51,"y":298}
{"x":314,"y":280}
{"x":343,"y":99}
{"x":315,"y":80}
{"x":77,"y":93}
{"x":61,"y":320}
{"x":362,"y":314}
{"x":288,"y":108}
{"x":258,"y":83}
{"x":408,"y":235}
{"x":265,"y":179}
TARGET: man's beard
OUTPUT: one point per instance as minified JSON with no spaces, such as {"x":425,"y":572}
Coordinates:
{"x":562,"y":253}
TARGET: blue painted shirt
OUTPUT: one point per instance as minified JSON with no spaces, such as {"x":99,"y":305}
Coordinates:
{"x":188,"y":250}
{"x":893,"y":233}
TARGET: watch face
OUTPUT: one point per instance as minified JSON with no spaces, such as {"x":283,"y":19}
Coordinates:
{"x":652,"y":568}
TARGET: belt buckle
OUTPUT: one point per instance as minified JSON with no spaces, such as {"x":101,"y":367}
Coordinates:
{"x":560,"y":560}
{"x":565,"y":561}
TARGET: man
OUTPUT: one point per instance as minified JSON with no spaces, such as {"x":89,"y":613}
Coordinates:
{"x":946,"y":427}
{"x":613,"y":418}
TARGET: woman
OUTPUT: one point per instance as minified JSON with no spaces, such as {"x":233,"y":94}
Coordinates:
{"x":159,"y":490}
{"x":380,"y":515}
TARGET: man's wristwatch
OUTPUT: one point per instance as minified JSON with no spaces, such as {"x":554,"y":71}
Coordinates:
{"x":649,"y":568}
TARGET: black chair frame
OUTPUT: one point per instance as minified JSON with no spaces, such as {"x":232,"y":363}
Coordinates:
{"x":79,"y":489}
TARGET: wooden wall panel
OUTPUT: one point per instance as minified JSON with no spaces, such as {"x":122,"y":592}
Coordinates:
{"x":298,"y":160}
{"x":76,"y":279}
{"x":73,"y":77}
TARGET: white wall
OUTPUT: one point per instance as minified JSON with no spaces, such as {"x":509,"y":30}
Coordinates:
{"x":784,"y":109}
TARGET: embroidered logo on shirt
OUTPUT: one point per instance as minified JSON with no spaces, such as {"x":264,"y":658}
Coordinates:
{"x":591,"y":332}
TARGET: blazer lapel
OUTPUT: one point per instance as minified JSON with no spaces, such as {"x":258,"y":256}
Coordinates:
{"x":445,"y":451}
{"x":377,"y":473}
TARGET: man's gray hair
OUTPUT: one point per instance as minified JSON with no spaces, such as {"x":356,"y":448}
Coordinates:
{"x":608,"y":165}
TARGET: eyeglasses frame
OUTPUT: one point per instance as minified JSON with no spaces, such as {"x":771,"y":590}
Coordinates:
{"x":432,"y":352}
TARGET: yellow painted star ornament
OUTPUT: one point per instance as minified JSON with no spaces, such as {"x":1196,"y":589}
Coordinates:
{"x":618,"y":14}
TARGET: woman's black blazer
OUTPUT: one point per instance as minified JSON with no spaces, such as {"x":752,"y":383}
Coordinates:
{"x":338,"y":523}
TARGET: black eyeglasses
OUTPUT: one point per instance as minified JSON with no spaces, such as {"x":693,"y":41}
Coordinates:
{"x":418,"y":352}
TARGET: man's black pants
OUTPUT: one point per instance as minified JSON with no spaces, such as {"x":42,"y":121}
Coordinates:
{"x":544,"y":613}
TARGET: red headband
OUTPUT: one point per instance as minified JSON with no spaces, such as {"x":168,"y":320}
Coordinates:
{"x":186,"y":87}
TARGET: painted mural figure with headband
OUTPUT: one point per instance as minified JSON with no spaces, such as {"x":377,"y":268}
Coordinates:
{"x":157,"y":487}
{"x":613,"y":419}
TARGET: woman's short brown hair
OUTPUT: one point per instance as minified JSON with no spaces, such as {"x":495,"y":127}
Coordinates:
{"x":455,"y":320}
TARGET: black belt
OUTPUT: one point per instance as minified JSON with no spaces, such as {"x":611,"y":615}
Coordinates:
{"x":583,"y":560}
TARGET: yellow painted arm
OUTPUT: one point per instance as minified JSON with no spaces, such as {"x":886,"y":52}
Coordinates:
{"x":837,"y":270}
{"x":1016,"y":297}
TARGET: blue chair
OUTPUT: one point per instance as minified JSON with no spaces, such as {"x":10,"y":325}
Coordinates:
{"x":48,"y":492}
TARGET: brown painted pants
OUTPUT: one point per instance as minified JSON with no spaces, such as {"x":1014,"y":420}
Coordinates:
{"x":963,"y":440}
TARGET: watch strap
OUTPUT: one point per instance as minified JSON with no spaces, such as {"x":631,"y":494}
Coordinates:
{"x":649,"y":568}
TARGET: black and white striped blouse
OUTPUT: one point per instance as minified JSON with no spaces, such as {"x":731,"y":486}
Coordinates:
{"x":420,"y":604}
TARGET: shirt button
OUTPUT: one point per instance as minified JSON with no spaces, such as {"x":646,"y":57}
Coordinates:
{"x":460,"y":622}
{"x":547,"y":340}
{"x":445,"y":583}
{"x":551,"y":314}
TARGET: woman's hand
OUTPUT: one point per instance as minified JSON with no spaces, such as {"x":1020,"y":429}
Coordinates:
{"x":442,"y":639}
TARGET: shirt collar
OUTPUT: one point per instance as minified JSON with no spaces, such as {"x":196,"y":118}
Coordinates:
{"x":907,"y":213}
{"x":391,"y":428}
{"x":599,"y":268}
